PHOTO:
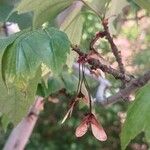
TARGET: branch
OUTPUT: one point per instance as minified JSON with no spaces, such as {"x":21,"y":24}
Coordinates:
{"x":105,"y":68}
{"x":134,"y":18}
{"x":133,"y":86}
{"x":114,"y":48}
{"x":95,"y":38}
{"x":78,"y":51}
{"x":108,"y":69}
{"x":86,"y":71}
{"x":22,"y":132}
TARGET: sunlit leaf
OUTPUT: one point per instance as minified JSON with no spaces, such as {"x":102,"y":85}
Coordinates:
{"x":99,"y":5}
{"x":114,"y":10}
{"x":74,"y":32}
{"x":143,"y":3}
{"x":71,"y":22}
{"x":43,"y":11}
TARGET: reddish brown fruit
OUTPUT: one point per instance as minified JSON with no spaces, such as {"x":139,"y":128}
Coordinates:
{"x":96,"y":127}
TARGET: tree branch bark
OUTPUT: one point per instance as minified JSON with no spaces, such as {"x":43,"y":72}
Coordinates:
{"x":131,"y":87}
{"x":114,"y":48}
{"x":108,"y":69}
{"x":132,"y":83}
{"x":105,"y":68}
{"x":22,"y":132}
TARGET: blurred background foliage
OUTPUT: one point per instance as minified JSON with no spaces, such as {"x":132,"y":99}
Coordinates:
{"x":133,"y":39}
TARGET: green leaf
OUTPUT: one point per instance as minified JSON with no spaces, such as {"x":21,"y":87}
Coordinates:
{"x":70,"y":82}
{"x":114,"y":10}
{"x":143,"y":3}
{"x":74,"y":32}
{"x":5,"y":121}
{"x":60,"y":46}
{"x":74,"y":29}
{"x":6,"y":41}
{"x":138,"y":117}
{"x":71,"y":22}
{"x":54,"y":84}
{"x":23,"y":20}
{"x":43,"y":11}
{"x":23,"y":57}
{"x":6,"y":7}
{"x":99,"y":5}
{"x":14,"y":104}
{"x":4,"y":11}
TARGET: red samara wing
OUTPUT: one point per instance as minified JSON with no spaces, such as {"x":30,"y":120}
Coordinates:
{"x":98,"y":130}
{"x":82,"y":128}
